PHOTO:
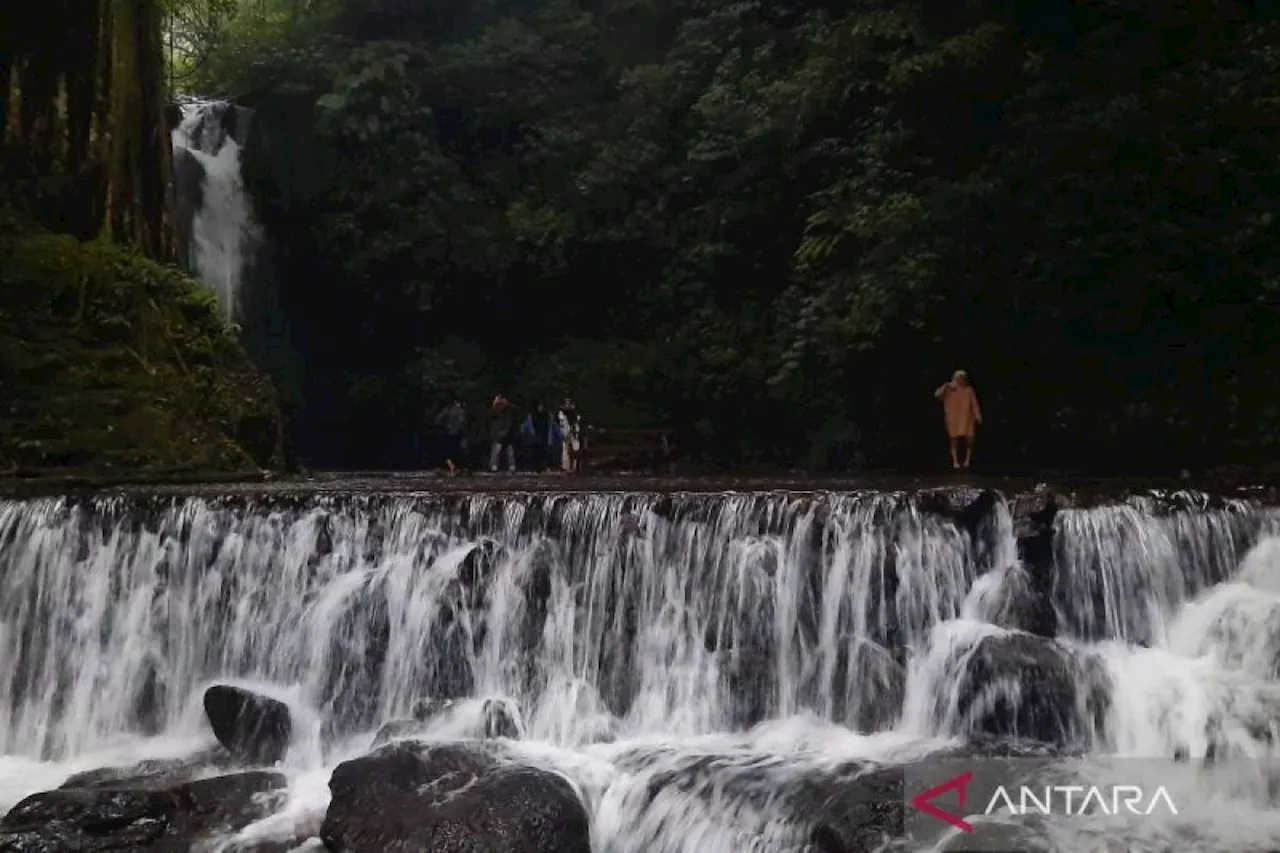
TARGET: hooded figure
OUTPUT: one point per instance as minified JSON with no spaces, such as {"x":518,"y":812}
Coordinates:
{"x":962,"y":415}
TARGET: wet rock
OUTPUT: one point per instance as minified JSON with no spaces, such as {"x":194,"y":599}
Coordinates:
{"x":867,"y":685}
{"x":453,"y":643}
{"x":451,"y":798}
{"x":1001,"y":836}
{"x":888,"y":688}
{"x":357,"y":657}
{"x":188,"y":180}
{"x":225,"y":803}
{"x":537,"y":587}
{"x":425,"y":710}
{"x":1011,"y":600}
{"x":1245,"y":723}
{"x":477,"y":569}
{"x":153,"y":774}
{"x":1033,"y":529}
{"x":423,"y":713}
{"x":1023,"y":686}
{"x":172,"y":820}
{"x":501,"y":719}
{"x":852,"y":807}
{"x":860,"y":813}
{"x":1033,"y":514}
{"x":629,"y":525}
{"x":982,"y":745}
{"x":396,"y":730}
{"x":95,"y":811}
{"x":855,"y":814}
{"x":255,"y":728}
{"x":968,"y":507}
{"x":498,"y":719}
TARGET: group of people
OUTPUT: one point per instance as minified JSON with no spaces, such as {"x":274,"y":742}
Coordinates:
{"x":539,"y":441}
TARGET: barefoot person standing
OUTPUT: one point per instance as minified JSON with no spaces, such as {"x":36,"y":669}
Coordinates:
{"x":960,"y":407}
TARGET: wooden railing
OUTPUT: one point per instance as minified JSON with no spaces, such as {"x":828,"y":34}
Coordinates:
{"x":629,"y":449}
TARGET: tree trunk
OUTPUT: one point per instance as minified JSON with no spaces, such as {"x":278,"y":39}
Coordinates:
{"x":6,"y":80}
{"x":139,"y":160}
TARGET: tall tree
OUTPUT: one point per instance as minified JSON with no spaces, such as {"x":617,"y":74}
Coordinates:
{"x":85,"y":135}
{"x":140,"y":156}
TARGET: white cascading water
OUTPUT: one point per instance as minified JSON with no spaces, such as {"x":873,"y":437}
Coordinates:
{"x":224,"y":233}
{"x":742,"y":643}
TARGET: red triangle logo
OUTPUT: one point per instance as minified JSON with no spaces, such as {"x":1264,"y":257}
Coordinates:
{"x":924,"y":801}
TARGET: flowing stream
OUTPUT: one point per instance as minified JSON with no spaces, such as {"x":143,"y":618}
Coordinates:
{"x":760,"y":637}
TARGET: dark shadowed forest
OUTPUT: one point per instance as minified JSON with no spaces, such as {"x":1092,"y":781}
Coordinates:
{"x":772,"y":227}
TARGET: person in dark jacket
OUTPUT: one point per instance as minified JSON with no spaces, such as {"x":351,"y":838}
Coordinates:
{"x":540,"y":433}
{"x":452,"y":421}
{"x":502,"y":433}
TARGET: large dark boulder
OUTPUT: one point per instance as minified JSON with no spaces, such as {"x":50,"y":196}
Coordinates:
{"x":1024,"y":686}
{"x":255,"y":728}
{"x":411,"y":797}
{"x":165,"y":820}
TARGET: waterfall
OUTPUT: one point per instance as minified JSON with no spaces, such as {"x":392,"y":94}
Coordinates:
{"x":221,"y":235}
{"x":745,"y":643}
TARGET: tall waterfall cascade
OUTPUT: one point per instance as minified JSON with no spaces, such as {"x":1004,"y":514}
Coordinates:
{"x":222,"y":234}
{"x":705,"y":670}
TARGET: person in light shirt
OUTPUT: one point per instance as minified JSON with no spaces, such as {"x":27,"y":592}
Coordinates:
{"x":570,"y":422}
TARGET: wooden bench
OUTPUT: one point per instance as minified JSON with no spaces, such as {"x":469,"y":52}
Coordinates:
{"x":629,"y":449}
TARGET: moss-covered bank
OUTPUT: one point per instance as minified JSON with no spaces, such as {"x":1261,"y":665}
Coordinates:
{"x":108,"y":360}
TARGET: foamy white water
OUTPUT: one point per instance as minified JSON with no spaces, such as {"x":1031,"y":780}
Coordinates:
{"x":745,"y":644}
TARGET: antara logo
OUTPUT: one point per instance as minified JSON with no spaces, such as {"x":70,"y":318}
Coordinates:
{"x":1047,"y":800}
{"x":924,"y":801}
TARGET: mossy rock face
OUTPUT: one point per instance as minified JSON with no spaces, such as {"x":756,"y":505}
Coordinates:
{"x":108,"y":360}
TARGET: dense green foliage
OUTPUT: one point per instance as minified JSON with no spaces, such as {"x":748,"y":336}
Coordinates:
{"x":778,"y":227}
{"x":108,"y":360}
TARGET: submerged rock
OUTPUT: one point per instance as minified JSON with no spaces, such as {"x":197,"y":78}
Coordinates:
{"x":173,"y":820}
{"x":499,"y":718}
{"x":396,"y":730}
{"x":451,"y":798}
{"x":1010,"y":599}
{"x":1023,"y":686}
{"x":423,"y":713}
{"x":255,"y":728}
{"x":965,"y":505}
{"x":793,"y":804}
{"x":155,"y":773}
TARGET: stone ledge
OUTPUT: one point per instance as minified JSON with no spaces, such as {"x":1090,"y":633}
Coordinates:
{"x":956,"y":491}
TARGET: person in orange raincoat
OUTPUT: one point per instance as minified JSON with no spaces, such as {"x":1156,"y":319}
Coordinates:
{"x":962,"y":414}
